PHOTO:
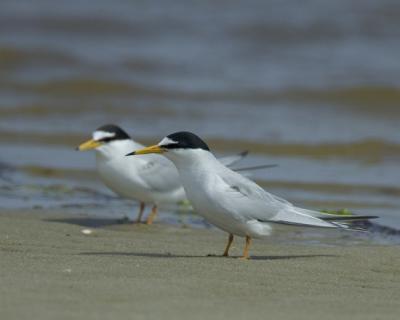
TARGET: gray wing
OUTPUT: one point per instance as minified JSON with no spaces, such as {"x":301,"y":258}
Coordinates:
{"x":159,"y":174}
{"x":244,"y":197}
{"x":155,"y":172}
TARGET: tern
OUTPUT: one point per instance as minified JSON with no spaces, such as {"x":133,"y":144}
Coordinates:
{"x":151,"y":179}
{"x":229,"y":200}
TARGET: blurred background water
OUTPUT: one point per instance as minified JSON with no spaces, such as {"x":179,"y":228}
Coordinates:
{"x":313,"y":86}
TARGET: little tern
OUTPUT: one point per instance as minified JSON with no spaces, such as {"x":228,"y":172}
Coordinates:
{"x":229,"y":200}
{"x":151,"y":179}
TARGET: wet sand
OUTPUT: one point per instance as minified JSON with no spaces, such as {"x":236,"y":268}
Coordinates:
{"x":49,"y":269}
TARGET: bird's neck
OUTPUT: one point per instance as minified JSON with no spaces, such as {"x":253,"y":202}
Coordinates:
{"x":193,"y":161}
{"x":118,"y":148}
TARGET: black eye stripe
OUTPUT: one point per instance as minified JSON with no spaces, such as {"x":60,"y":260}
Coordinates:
{"x":107,"y":139}
{"x":170,"y":146}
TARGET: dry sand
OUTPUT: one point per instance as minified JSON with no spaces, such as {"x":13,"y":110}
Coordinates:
{"x":49,"y":269}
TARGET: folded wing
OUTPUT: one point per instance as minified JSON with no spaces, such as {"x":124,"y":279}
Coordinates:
{"x":256,"y":203}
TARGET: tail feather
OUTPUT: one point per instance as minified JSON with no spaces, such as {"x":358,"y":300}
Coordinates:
{"x":233,"y":159}
{"x":348,"y":218}
{"x":334,"y":217}
{"x":259,"y":167}
{"x":309,"y":218}
{"x":294,"y":216}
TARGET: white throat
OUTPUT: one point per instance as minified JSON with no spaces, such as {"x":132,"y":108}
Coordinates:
{"x":117,"y":148}
{"x":184,"y":158}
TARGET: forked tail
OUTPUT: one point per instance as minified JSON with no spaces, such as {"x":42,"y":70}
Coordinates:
{"x":309,"y":218}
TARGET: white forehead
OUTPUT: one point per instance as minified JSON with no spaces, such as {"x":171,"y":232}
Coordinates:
{"x":167,"y":141}
{"x":98,"y":135}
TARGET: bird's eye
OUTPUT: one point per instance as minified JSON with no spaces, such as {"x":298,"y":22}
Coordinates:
{"x":168,"y":146}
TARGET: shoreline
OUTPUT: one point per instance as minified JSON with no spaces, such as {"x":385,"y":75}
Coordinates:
{"x":50,"y":269}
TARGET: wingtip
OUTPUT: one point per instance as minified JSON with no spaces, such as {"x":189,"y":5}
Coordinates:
{"x":260,"y":167}
{"x":348,"y":218}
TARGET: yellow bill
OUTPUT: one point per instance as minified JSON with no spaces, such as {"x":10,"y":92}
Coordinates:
{"x":152,"y":149}
{"x":88,"y":145}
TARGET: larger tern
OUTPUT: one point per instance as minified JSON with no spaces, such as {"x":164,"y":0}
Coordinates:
{"x":229,"y":200}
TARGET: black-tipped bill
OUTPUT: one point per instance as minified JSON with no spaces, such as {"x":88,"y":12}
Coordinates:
{"x":152,"y":149}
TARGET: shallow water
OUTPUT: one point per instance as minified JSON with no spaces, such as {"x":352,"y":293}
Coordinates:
{"x":311,"y":86}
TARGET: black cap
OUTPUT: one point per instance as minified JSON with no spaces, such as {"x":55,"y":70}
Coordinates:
{"x":119,"y":134}
{"x":186,"y":140}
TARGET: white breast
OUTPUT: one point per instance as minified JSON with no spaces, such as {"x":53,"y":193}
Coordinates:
{"x":126,"y":177}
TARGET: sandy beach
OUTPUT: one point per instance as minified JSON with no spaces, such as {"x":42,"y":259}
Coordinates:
{"x":49,"y":269}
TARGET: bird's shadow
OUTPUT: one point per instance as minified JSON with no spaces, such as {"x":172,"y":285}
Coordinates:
{"x":298,"y":256}
{"x":91,"y":222}
{"x":105,"y":222}
{"x":170,"y":255}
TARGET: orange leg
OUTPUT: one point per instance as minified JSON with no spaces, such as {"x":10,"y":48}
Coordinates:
{"x":246,"y":249}
{"x":140,"y":214}
{"x":228,"y":245}
{"x":152,"y":215}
